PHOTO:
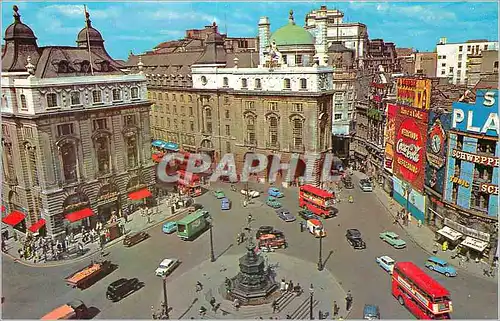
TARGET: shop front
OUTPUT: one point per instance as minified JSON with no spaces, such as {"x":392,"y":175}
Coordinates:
{"x":14,"y":221}
{"x":77,"y":213}
{"x":38,"y":229}
{"x":107,"y":203}
{"x":448,"y":237}
{"x":138,"y":194}
{"x":474,"y":244}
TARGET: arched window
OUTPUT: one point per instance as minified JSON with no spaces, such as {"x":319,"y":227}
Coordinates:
{"x":297,"y":132}
{"x":102,"y":155}
{"x":69,"y":163}
{"x":132,"y":157}
{"x":117,"y":94}
{"x":8,"y":163}
{"x":62,"y":66}
{"x":208,"y":120}
{"x":225,"y":82}
{"x":273,"y":131}
{"x":250,"y":124}
{"x":24,"y":105}
{"x":32,"y":163}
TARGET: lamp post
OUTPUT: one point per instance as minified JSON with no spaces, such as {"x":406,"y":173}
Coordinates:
{"x":320,"y":258}
{"x":212,"y":255}
{"x":407,"y":190}
{"x":311,"y":299}
{"x":165,"y":299}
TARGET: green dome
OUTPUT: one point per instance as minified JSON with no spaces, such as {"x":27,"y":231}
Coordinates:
{"x":291,"y":34}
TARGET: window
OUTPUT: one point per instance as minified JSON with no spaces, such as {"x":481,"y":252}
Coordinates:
{"x":444,"y":57}
{"x":183,"y":111}
{"x":297,"y":133}
{"x":176,"y":126}
{"x":250,"y":104}
{"x":75,"y":98}
{"x":228,"y":147}
{"x":443,"y":72}
{"x":100,"y":124}
{"x":97,"y":96}
{"x":451,"y":69}
{"x":160,"y":96}
{"x":183,"y":125}
{"x":102,"y":154}
{"x":10,"y":171}
{"x":168,"y":122}
{"x":175,"y":110}
{"x":485,"y":47}
{"x":134,"y":92}
{"x":459,"y":72}
{"x":297,"y":107}
{"x":226,"y":113}
{"x":117,"y":94}
{"x":167,"y":109}
{"x":190,"y":111}
{"x":154,"y":95}
{"x":459,"y":65}
{"x":477,"y":49}
{"x":174,"y":98}
{"x":191,"y":125}
{"x":51,"y":100}
{"x":273,"y":106}
{"x":284,"y":57}
{"x":258,"y":84}
{"x":129,"y":120}
{"x":250,"y":122}
{"x":468,"y":48}
{"x":273,"y":131}
{"x":228,"y":130}
{"x":460,"y":48}
{"x":204,"y":80}
{"x":181,"y":98}
{"x":338,"y":116}
{"x":64,"y":129}
{"x":31,"y":153}
{"x":298,"y":60}
{"x":286,"y":83}
{"x":62,"y":67}
{"x":225,"y":82}
{"x":24,"y":105}
{"x":495,"y":64}
{"x":244,"y":83}
{"x":208,"y":120}
{"x":460,"y":57}
{"x":68,"y":159}
{"x":131,"y":146}
{"x":443,"y":65}
{"x":209,"y":127}
{"x":226,"y":99}
{"x":303,"y":83}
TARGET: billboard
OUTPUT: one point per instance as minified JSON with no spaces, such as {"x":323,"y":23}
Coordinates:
{"x":410,"y":145}
{"x":435,"y":171}
{"x":413,"y":92}
{"x":479,"y":118}
{"x":389,"y":133}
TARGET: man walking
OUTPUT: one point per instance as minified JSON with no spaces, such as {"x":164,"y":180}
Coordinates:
{"x":348,"y":300}
{"x":249,"y":218}
{"x":274,"y":306}
{"x":336,"y":309}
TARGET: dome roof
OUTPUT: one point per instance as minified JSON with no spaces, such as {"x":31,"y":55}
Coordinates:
{"x":291,"y":34}
{"x":93,"y":34}
{"x":18,"y":30}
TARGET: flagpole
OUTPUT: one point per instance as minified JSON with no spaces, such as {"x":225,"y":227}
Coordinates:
{"x":87,"y":22}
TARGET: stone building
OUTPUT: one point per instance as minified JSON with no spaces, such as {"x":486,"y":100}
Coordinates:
{"x":75,"y":132}
{"x":380,"y":53}
{"x":406,"y":59}
{"x":425,"y":63}
{"x":481,"y":65}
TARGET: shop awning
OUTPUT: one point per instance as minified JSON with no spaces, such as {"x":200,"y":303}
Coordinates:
{"x":38,"y":225}
{"x":14,"y":218}
{"x":474,"y":244}
{"x":450,"y":233}
{"x":79,"y":215}
{"x":140,"y":194}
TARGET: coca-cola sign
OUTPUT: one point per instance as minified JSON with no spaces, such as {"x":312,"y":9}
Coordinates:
{"x":409,"y":149}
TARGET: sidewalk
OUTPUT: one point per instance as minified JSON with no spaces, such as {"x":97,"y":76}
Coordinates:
{"x":136,"y":222}
{"x":425,"y":238}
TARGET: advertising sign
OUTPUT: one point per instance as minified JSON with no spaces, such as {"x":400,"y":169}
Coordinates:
{"x":413,"y":92}
{"x":479,"y":118}
{"x":439,"y":124}
{"x":410,"y":145}
{"x":389,"y":133}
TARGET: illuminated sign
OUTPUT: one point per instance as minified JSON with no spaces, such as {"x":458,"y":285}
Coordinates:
{"x":479,"y":118}
{"x":473,"y":158}
{"x":459,"y":181}
{"x":437,"y":139}
{"x":414,"y":92}
{"x":489,"y":188}
{"x":389,"y":134}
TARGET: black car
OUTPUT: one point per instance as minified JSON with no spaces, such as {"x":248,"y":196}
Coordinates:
{"x":268,"y":230}
{"x":354,"y":238}
{"x":121,"y":288}
{"x":308,"y":215}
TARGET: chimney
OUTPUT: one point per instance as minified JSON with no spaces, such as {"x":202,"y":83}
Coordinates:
{"x":442,"y":41}
{"x":323,"y":8}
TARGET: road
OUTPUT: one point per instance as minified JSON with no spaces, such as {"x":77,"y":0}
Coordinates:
{"x":31,"y":292}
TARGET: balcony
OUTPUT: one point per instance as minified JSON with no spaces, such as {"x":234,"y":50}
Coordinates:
{"x":296,"y":148}
{"x":273,"y":145}
{"x":247,"y":142}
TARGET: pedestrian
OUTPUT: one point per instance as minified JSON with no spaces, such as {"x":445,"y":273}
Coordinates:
{"x":199,"y":286}
{"x":283,"y":285}
{"x":286,"y":287}
{"x":274,"y":305}
{"x":301,"y":226}
{"x":212,"y":302}
{"x":4,"y":247}
{"x":290,"y":286}
{"x":249,"y":218}
{"x":236,"y":304}
{"x":348,"y":300}
{"x":238,"y":238}
{"x":288,"y":317}
{"x":153,"y":314}
{"x":320,"y":315}
{"x":336,"y":309}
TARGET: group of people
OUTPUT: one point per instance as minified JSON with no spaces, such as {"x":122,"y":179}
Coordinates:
{"x":401,"y":217}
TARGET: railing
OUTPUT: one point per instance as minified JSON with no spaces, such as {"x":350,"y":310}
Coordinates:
{"x":296,"y":148}
{"x":273,"y":145}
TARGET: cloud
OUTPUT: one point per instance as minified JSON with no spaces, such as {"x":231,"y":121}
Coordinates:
{"x":138,"y":38}
{"x":73,"y":10}
{"x":242,"y":28}
{"x":182,"y":15}
{"x":171,"y":33}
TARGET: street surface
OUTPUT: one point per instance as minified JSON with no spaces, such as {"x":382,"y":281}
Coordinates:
{"x":32,"y":292}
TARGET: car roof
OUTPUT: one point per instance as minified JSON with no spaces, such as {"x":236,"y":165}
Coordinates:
{"x":118,"y":282}
{"x":273,"y":189}
{"x":354,"y":231}
{"x":391,"y":234}
{"x":225,"y":199}
{"x":387,"y":258}
{"x":370,"y":309}
{"x":166,"y":261}
{"x":437,"y":260}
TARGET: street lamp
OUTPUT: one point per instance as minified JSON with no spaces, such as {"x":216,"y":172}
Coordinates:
{"x":165,"y":300}
{"x":320,"y":258}
{"x":212,"y":255}
{"x":407,"y":190}
{"x":311,"y":298}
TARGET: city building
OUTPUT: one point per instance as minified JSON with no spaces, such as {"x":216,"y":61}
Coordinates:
{"x":453,"y":58}
{"x":425,"y":63}
{"x":75,"y":133}
{"x":380,"y":53}
{"x":406,"y":59}
{"x":471,"y":178}
{"x":329,"y":25}
{"x":481,"y":66}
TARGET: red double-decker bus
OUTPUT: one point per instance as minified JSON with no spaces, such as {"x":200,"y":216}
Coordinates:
{"x":317,"y":200}
{"x":188,"y":184}
{"x":423,"y":296}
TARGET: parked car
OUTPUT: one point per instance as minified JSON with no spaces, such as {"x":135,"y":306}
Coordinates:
{"x":386,"y":262}
{"x":371,"y":312}
{"x":439,"y":265}
{"x":121,"y":288}
{"x":273,"y":202}
{"x":266,"y":229}
{"x":169,"y":227}
{"x":285,"y":215}
{"x":166,"y":267}
{"x":225,"y":204}
{"x":134,"y":238}
{"x":252,"y":193}
{"x":393,"y":239}
{"x":365,"y":185}
{"x":275,"y":192}
{"x":354,"y":238}
{"x":308,"y":215}
{"x":219,"y":194}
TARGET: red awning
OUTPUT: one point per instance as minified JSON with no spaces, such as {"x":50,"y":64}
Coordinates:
{"x":79,"y":215}
{"x":38,"y":225}
{"x":140,"y":194}
{"x":14,"y":218}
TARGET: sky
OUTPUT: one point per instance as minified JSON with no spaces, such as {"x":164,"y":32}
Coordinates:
{"x":140,"y":25}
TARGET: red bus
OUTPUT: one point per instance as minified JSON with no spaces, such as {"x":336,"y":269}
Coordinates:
{"x":423,"y":296}
{"x":318,"y":201}
{"x":188,"y":184}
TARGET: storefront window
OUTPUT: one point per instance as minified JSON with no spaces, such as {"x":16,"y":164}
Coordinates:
{"x":102,"y":155}
{"x":68,"y":156}
{"x":132,"y":158}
